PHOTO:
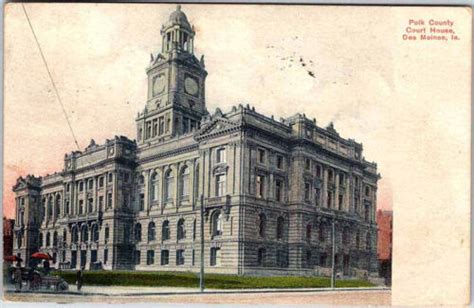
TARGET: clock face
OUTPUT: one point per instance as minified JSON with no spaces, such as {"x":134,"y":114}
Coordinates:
{"x":159,"y":84}
{"x":191,"y":86}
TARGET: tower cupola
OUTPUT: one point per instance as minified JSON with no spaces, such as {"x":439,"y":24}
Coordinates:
{"x":177,"y":33}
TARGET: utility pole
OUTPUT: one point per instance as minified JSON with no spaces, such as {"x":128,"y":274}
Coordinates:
{"x":333,"y":255}
{"x":201,"y":275}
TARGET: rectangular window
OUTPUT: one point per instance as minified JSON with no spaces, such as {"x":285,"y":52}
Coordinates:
{"x":137,"y":257}
{"x":341,"y":202}
{"x":185,"y":125}
{"x":307,"y":190}
{"x":180,"y":257}
{"x":90,"y":204}
{"x":165,"y":255}
{"x":318,"y":196}
{"x":109,"y":199}
{"x":155,"y":127}
{"x":111,"y":177}
{"x":260,"y":186}
{"x":220,"y":185}
{"x":329,"y":204}
{"x":215,"y":256}
{"x":193,"y":259}
{"x":279,"y":162}
{"x":220,"y":155}
{"x":126,"y":198}
{"x":150,"y":257}
{"x":307,"y":164}
{"x":142,"y":201}
{"x":341,"y":179}
{"x":261,"y":156}
{"x":81,"y":206}
{"x":101,"y":203}
{"x":278,"y":190}
{"x":106,"y":255}
{"x":101,"y":181}
{"x":161,"y":125}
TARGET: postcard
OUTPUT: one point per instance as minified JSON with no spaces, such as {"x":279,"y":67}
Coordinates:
{"x":236,"y":154}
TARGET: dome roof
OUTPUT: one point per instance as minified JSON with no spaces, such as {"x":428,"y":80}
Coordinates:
{"x":178,"y":17}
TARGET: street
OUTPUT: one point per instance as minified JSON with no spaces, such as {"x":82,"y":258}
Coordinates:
{"x":171,"y":295}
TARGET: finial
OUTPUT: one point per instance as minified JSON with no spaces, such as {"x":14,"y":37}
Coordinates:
{"x":178,"y":7}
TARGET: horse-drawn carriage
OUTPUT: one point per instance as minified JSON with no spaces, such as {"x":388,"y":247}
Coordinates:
{"x":33,"y":277}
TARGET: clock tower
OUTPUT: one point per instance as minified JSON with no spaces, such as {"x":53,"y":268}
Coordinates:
{"x":176,"y":78}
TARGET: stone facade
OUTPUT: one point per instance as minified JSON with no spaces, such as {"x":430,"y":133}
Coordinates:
{"x":270,"y":189}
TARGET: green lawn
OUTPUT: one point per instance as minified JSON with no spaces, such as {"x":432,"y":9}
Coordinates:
{"x":212,"y":281}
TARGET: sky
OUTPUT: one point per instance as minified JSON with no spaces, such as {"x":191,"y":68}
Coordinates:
{"x":97,"y":54}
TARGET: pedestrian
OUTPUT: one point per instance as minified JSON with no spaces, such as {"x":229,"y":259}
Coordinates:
{"x":46,"y":267}
{"x":18,"y":277}
{"x":79,"y":278}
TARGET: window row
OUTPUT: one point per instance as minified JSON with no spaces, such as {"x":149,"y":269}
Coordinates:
{"x":214,"y":257}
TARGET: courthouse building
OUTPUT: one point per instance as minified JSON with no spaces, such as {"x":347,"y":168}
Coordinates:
{"x":271,"y":189}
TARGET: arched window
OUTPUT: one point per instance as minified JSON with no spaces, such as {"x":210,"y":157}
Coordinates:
{"x":40,"y":239}
{"x":64,"y":236}
{"x":95,"y":233}
{"x":151,"y":231}
{"x":184,"y":182}
{"x":154,"y":186}
{"x":138,"y":232}
{"x":322,"y":233}
{"x":84,"y":233}
{"x":48,"y":239}
{"x":217,"y":223}
{"x":141,"y":179}
{"x":280,"y":227}
{"x":165,"y":230}
{"x":169,"y":185}
{"x":181,"y":229}
{"x":55,"y":239}
{"x":262,"y":224}
{"x":74,"y":234}
{"x":368,"y":241}
{"x":308,"y":233}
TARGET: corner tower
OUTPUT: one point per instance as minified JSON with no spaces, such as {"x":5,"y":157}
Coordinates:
{"x":176,"y":91}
